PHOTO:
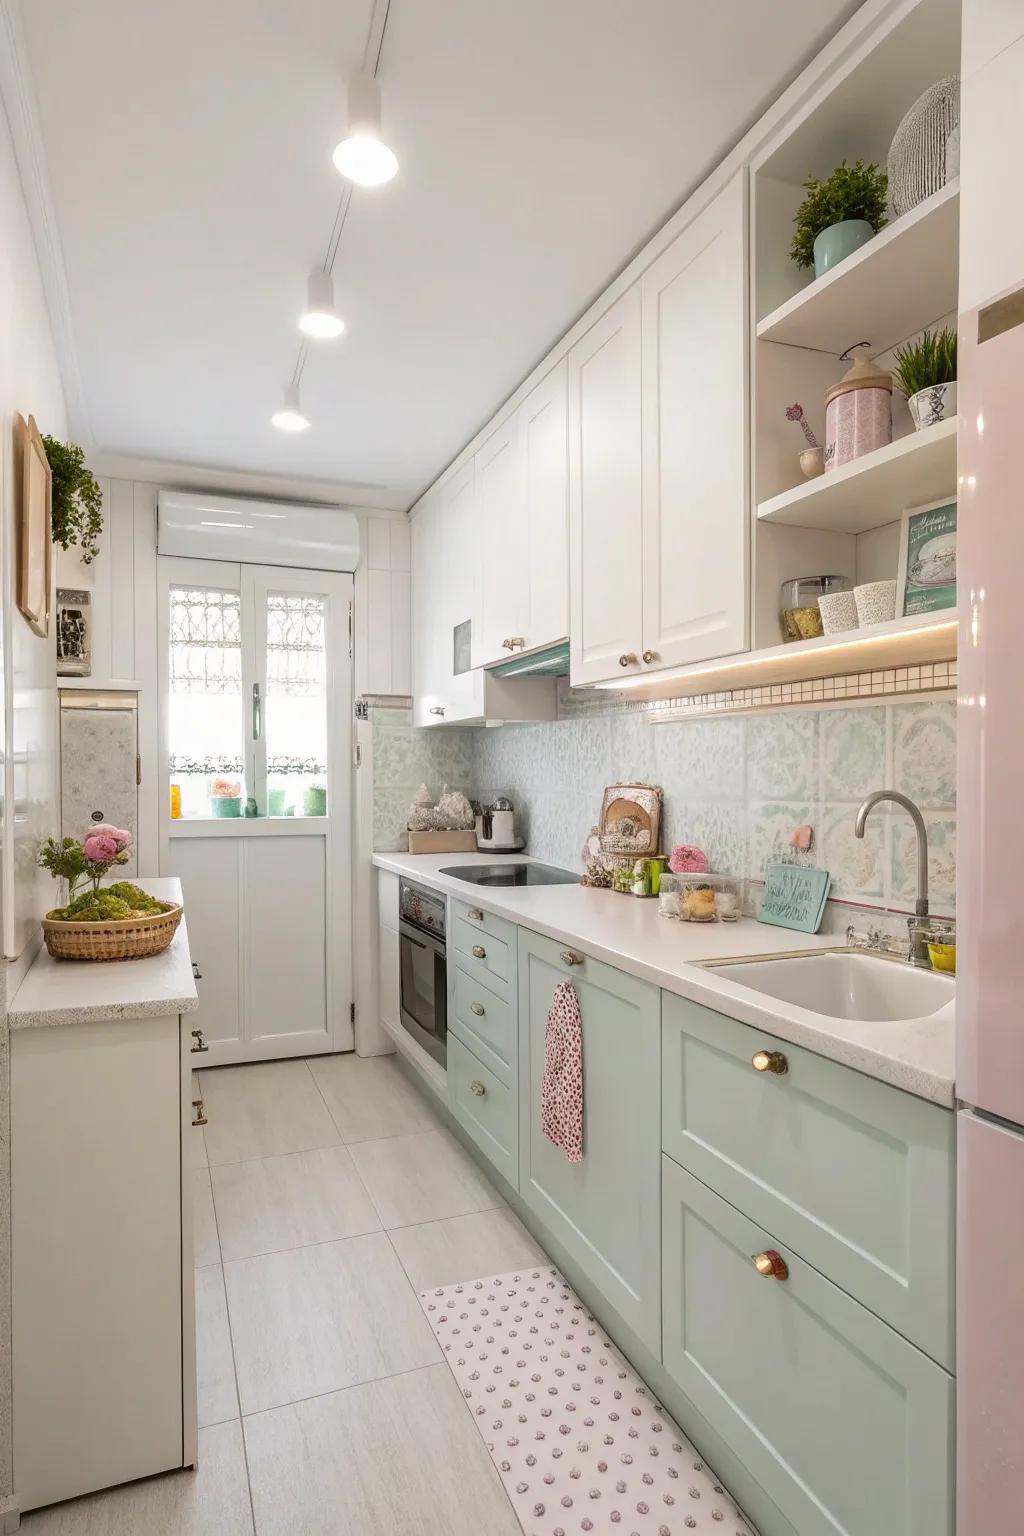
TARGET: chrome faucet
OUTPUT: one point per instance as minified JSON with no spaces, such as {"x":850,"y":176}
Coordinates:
{"x":919,"y":926}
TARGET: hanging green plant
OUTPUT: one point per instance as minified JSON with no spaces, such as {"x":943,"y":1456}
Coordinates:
{"x":77,"y":501}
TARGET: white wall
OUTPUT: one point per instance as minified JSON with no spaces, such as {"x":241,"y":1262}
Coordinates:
{"x":29,"y":383}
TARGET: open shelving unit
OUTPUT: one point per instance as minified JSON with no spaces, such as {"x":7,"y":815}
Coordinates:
{"x":847,"y":523}
{"x":874,"y":489}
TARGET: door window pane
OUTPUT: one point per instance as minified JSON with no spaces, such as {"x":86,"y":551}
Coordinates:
{"x":205,"y":725}
{"x":296,"y":706}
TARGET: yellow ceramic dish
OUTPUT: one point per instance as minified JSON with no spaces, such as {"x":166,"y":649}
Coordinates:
{"x":943,"y":957}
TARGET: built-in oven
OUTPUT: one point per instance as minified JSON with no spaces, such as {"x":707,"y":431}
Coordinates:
{"x":424,"y":969}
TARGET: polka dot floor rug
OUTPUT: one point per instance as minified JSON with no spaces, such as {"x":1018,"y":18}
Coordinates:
{"x":580,"y":1442}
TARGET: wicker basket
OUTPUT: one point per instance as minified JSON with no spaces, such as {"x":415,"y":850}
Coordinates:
{"x":132,"y":938}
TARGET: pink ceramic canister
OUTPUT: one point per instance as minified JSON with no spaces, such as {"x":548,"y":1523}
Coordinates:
{"x":858,"y":412}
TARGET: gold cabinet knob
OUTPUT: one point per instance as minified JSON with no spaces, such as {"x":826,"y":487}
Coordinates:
{"x":200,"y":1042}
{"x":478,"y":1009}
{"x":477,"y":1088}
{"x":769,"y":1061}
{"x":570,"y":957}
{"x":479,"y":952}
{"x":771,"y":1264}
{"x":200,"y":1117}
{"x":627,"y":659}
{"x":476,"y":915}
{"x":650,"y":656}
{"x":516,"y":643}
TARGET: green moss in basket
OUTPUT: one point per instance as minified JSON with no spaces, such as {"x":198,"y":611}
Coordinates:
{"x":117,"y":903}
{"x":141,"y":902}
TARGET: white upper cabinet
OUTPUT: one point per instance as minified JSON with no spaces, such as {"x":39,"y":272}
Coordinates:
{"x":522,"y":488}
{"x":605,"y":565}
{"x":503,"y":544}
{"x":428,"y":618}
{"x":459,"y":581}
{"x":695,"y":515}
{"x":544,"y":440}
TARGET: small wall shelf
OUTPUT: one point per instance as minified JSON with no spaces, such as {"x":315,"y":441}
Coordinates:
{"x":901,"y":281}
{"x":874,"y":489}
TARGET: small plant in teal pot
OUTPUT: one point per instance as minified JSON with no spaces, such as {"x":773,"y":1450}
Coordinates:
{"x":839,"y":215}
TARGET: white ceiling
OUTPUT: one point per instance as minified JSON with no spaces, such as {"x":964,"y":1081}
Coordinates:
{"x":540,"y":142}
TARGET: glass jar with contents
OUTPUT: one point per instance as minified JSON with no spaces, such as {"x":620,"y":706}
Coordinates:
{"x":799,"y":614}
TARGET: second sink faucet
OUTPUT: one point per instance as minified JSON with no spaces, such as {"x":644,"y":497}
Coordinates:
{"x":918,"y":925}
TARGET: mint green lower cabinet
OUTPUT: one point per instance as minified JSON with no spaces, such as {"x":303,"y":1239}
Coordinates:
{"x":847,"y":1427}
{"x":605,"y":1211}
{"x":485,"y":1107}
{"x":855,"y":1175}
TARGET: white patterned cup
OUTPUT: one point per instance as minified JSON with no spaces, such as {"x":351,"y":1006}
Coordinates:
{"x":928,"y":406}
{"x":876,"y":602}
{"x":838,"y":612}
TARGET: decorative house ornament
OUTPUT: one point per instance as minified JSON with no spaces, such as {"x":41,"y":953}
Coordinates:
{"x":925,"y":150}
{"x":631,"y":819}
{"x":74,"y":636}
{"x":858,"y":410}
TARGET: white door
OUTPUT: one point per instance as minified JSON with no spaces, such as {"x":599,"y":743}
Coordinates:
{"x":695,"y":513}
{"x":256,"y":707}
{"x":544,"y":451}
{"x":503,"y":546}
{"x":605,"y":567}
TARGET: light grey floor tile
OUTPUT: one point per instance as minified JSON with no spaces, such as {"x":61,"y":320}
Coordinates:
{"x":204,"y":1222}
{"x":212,"y":1501}
{"x":316,"y":1319}
{"x":290,"y":1201}
{"x":423,"y":1177}
{"x":215,"y":1367}
{"x":393,"y":1458}
{"x":371,"y":1098}
{"x":465,"y":1248}
{"x":263,"y":1110}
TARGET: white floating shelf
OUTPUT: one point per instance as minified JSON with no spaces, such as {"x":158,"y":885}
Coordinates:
{"x":904,"y":279}
{"x":899,"y":643}
{"x":875,"y":488}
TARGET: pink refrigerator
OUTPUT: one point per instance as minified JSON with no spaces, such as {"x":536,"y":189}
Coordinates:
{"x":990,"y":948}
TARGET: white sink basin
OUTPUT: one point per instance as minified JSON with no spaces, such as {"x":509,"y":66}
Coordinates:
{"x":838,"y":984}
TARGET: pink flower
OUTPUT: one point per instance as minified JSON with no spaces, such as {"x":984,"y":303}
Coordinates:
{"x":687,"y":860}
{"x":105,"y":829}
{"x":100,"y":848}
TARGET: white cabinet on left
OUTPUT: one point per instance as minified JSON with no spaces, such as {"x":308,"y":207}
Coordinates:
{"x":103,"y":1305}
{"x":446,"y":688}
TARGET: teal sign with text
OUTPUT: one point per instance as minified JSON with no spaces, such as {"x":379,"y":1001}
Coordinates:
{"x":794,"y":896}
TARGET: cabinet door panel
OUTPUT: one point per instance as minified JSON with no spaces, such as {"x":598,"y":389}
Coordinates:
{"x":503,"y":545}
{"x":695,"y":513}
{"x":847,"y":1426}
{"x":285,"y":986}
{"x":485,"y":1107}
{"x":855,"y":1175}
{"x":605,"y":1209}
{"x":544,"y":449}
{"x":428,"y":680}
{"x":459,"y":578}
{"x":605,"y":565}
{"x":210,"y":872}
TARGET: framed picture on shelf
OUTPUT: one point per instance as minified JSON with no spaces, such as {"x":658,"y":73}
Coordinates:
{"x":34,"y":543}
{"x":926,"y":580}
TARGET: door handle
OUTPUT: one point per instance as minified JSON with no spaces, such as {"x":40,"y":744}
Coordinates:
{"x":196,"y":972}
{"x":257,"y":713}
{"x":570,"y":957}
{"x":475,"y":914}
{"x":479,"y":951}
{"x":477,"y":1009}
{"x":477,"y":1088}
{"x":200,"y":1043}
{"x":200,"y":1119}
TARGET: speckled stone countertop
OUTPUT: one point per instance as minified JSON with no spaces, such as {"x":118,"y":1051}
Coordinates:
{"x":914,"y":1054}
{"x":80,"y":991}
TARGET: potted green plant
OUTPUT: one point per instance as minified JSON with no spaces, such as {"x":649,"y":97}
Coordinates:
{"x":76,"y":499}
{"x":838,"y":215}
{"x":925,"y":370}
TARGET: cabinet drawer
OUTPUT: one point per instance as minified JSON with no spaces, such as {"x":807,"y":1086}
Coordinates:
{"x":855,"y":1175}
{"x":847,"y":1426}
{"x":485,"y":1108}
{"x":483,"y":1021}
{"x":485,"y":946}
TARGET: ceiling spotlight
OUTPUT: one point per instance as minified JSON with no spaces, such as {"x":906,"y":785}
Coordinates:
{"x":362,"y":156}
{"x":290,"y":418}
{"x":320,"y":318}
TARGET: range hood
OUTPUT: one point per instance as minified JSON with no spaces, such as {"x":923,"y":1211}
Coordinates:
{"x":552,"y":661}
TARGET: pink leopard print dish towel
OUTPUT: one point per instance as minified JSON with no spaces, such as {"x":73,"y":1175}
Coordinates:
{"x":561,"y":1089}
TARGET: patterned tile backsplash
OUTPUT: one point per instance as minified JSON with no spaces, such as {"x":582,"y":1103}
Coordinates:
{"x":737,"y":786}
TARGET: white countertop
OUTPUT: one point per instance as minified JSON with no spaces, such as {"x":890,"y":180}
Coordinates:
{"x":79,"y":991}
{"x":916,"y":1055}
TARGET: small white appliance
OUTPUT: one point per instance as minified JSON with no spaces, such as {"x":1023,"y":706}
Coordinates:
{"x":496,"y":827}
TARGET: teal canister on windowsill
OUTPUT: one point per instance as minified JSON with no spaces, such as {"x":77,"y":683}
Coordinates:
{"x":314,"y":801}
{"x":225,"y":805}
